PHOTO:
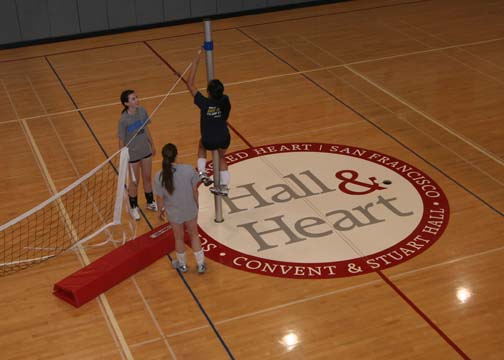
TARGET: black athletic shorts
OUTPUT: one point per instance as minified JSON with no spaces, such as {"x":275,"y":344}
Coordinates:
{"x":210,"y":144}
{"x":145,"y":157}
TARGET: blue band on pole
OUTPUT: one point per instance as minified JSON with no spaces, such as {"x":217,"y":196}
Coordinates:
{"x":208,"y":45}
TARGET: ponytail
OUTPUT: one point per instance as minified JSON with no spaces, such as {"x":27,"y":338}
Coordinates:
{"x":169,"y":155}
{"x":125,"y":98}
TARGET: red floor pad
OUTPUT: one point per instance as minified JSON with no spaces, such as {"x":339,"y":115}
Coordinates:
{"x":116,"y":266}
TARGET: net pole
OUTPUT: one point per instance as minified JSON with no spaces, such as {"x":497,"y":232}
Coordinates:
{"x":208,"y":46}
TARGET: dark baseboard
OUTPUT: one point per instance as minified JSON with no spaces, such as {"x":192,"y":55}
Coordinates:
{"x":165,"y":24}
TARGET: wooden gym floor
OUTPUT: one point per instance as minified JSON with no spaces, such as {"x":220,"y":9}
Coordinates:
{"x":422,"y":81}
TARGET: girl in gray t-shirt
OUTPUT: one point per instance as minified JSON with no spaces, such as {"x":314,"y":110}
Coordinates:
{"x":133,"y":131}
{"x":176,"y":188}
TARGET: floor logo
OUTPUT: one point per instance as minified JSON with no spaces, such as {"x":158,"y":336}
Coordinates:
{"x":309,"y":210}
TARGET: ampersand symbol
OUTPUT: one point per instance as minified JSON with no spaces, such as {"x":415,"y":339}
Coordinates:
{"x":352,"y":268}
{"x":350,"y":177}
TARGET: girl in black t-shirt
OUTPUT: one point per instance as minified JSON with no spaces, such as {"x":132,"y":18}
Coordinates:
{"x":214,"y":112}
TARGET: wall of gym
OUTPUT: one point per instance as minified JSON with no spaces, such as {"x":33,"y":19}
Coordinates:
{"x":28,"y":21}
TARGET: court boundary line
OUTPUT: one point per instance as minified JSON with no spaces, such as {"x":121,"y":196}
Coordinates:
{"x":270,"y":77}
{"x":403,"y":119}
{"x":366,"y":119}
{"x":423,"y":315}
{"x":83,"y":263}
{"x":326,"y":294}
{"x":181,"y":276}
{"x":385,"y":107}
{"x":212,"y":325}
{"x":388,"y":282}
{"x":102,"y":300}
{"x":427,"y":116}
{"x":153,"y":317}
{"x":397,"y":290}
{"x":201,"y":32}
{"x":74,"y":167}
{"x":345,"y":65}
{"x":443,"y":40}
{"x":449,"y":55}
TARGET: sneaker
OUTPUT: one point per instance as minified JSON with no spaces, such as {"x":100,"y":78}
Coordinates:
{"x":203,"y":176}
{"x":176,"y":265}
{"x":134,"y":213}
{"x":152,"y":206}
{"x":201,"y":268}
{"x":221,"y":190}
{"x":224,"y":190}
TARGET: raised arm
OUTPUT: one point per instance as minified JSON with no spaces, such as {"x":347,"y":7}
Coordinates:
{"x":192,"y":75}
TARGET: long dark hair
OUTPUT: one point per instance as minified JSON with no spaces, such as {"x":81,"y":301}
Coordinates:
{"x":125,"y":98}
{"x":215,"y":89}
{"x":169,"y":154}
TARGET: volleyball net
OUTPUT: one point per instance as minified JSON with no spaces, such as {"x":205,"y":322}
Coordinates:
{"x":90,"y":206}
{"x":73,"y":216}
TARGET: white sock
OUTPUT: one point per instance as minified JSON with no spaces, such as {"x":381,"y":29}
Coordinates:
{"x":224,"y":177}
{"x":200,"y":257}
{"x":181,"y":257}
{"x":201,"y":164}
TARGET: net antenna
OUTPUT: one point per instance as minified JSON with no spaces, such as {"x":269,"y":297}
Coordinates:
{"x":73,"y":216}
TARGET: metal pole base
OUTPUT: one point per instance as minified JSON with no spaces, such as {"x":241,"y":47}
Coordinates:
{"x":217,"y":198}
